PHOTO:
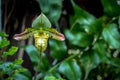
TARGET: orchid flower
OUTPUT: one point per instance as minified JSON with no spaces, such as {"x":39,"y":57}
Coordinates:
{"x":42,"y":31}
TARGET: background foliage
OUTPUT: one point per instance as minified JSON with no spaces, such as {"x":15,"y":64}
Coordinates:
{"x":91,"y":50}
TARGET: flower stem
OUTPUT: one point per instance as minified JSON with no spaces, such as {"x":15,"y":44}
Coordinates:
{"x":38,"y":67}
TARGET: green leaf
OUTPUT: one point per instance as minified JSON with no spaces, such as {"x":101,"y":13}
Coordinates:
{"x":4,"y":42}
{"x":22,"y":74}
{"x":119,"y":21}
{"x":41,"y":21}
{"x":3,"y":34}
{"x":20,"y":77}
{"x":111,"y":35}
{"x":80,"y":39}
{"x":115,"y":62}
{"x":94,"y":27}
{"x":71,"y":70}
{"x":89,"y":61}
{"x":52,"y":9}
{"x":58,"y":49}
{"x":52,"y":78}
{"x":34,"y":55}
{"x":10,"y":52}
{"x":5,"y":68}
{"x":100,"y":47}
{"x":10,"y":78}
{"x":53,"y":73}
{"x":14,"y":70}
{"x":18,"y":61}
{"x":111,"y":7}
{"x":82,"y":21}
{"x":81,"y":16}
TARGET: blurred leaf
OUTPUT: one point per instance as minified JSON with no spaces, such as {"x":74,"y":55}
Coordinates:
{"x":52,"y":78}
{"x":58,"y":49}
{"x":1,"y":62}
{"x":80,"y":39}
{"x":10,"y":52}
{"x":83,"y":21}
{"x":115,"y":62}
{"x":3,"y":34}
{"x":71,"y":70}
{"x":89,"y":61}
{"x":82,"y":16}
{"x":14,"y":71}
{"x":9,"y":78}
{"x":100,"y":47}
{"x":34,"y":55}
{"x":53,"y":73}
{"x":5,"y":68}
{"x":45,"y":63}
{"x":94,"y":27}
{"x":111,"y":7}
{"x":21,"y":77}
{"x":20,"y":70}
{"x":119,"y":21}
{"x":4,"y":42}
{"x":52,"y":9}
{"x":41,"y":21}
{"x":18,"y":61}
{"x":111,"y":35}
{"x":22,"y":74}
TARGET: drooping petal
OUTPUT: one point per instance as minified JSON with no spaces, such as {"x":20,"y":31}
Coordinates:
{"x":24,"y":35}
{"x":53,"y":33}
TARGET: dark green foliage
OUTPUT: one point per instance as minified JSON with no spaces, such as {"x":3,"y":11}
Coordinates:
{"x":93,"y":44}
{"x":80,"y":39}
{"x":111,"y":7}
{"x":91,"y":50}
{"x":12,"y":70}
{"x":71,"y":70}
{"x":58,"y":49}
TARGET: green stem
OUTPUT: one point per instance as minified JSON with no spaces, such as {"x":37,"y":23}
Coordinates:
{"x":70,"y":57}
{"x":38,"y":67}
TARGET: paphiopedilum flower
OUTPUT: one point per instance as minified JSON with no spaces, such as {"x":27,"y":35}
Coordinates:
{"x":42,"y":31}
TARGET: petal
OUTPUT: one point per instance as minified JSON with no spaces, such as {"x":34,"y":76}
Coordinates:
{"x":53,"y":33}
{"x":24,"y":35}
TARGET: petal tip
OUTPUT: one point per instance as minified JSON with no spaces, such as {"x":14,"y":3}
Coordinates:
{"x":62,"y":37}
